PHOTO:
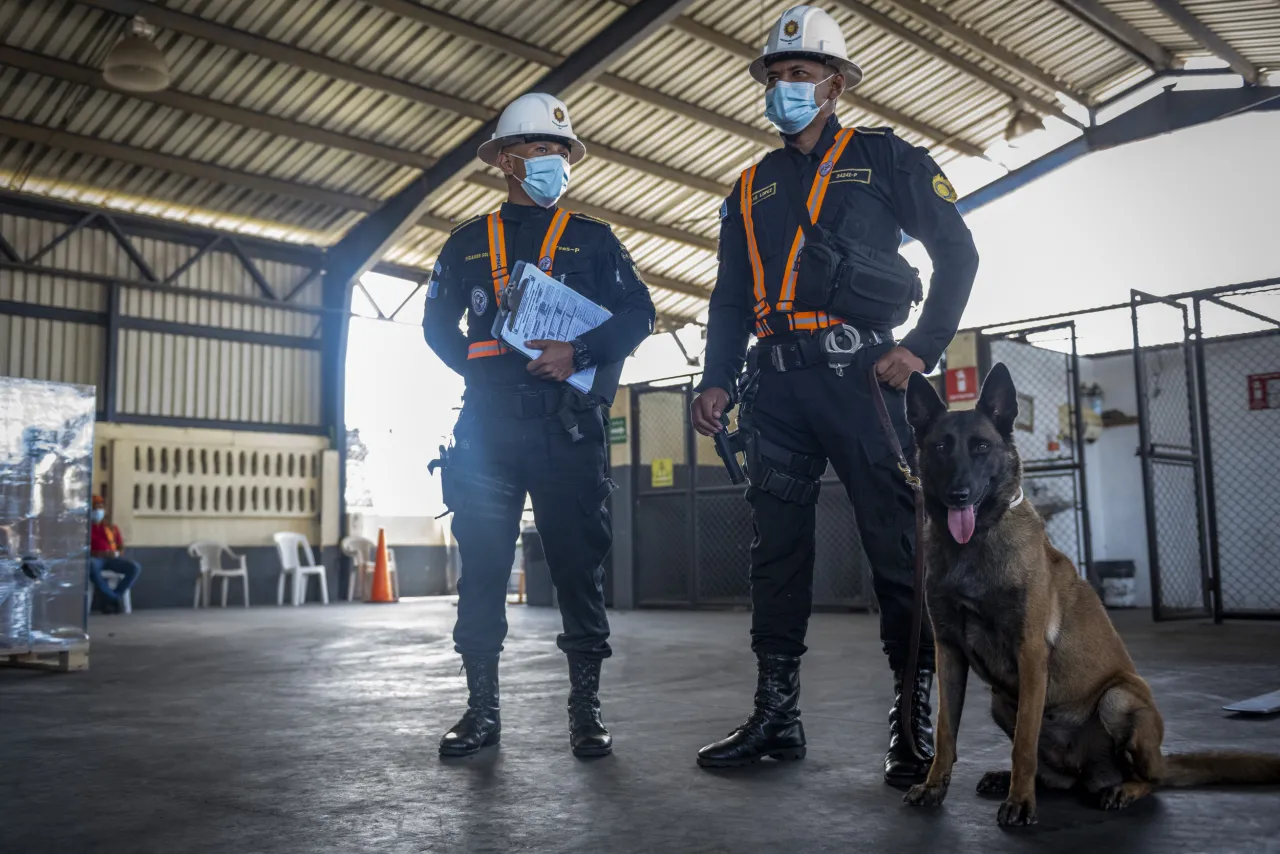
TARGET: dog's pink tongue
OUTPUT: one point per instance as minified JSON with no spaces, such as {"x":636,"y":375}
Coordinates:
{"x":960,"y":521}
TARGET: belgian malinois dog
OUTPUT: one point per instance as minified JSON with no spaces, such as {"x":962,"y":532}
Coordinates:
{"x":1007,"y":604}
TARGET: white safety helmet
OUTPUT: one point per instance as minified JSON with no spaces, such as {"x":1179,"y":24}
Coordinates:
{"x":807,"y":30}
{"x":534,"y":115}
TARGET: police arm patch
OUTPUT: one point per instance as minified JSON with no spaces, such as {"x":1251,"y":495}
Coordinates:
{"x":724,"y":210}
{"x":943,"y":188}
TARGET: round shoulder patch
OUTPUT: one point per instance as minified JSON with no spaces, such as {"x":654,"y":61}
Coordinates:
{"x":943,"y":188}
{"x":825,"y":169}
{"x":479,"y":300}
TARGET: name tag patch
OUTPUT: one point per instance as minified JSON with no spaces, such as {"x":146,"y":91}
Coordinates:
{"x":764,"y":193}
{"x":858,"y":176}
{"x":476,"y":257}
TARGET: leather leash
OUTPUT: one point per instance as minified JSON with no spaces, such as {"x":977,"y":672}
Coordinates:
{"x":918,"y":605}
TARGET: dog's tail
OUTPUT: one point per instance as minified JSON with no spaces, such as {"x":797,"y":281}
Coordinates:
{"x":1220,"y":767}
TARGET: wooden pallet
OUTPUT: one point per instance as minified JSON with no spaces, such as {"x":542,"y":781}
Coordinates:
{"x":61,"y":658}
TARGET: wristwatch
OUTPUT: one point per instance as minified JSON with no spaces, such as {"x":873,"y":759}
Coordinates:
{"x":581,"y":355}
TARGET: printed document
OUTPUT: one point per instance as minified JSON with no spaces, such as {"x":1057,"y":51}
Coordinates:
{"x":550,"y":311}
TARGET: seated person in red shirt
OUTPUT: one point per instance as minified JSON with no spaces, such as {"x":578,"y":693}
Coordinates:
{"x":105,"y":549}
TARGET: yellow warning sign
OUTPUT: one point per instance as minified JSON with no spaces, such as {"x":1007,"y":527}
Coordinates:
{"x":662,"y":473}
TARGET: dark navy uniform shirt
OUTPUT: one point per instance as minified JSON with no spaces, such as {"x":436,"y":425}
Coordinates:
{"x":589,"y":259}
{"x":880,"y":187}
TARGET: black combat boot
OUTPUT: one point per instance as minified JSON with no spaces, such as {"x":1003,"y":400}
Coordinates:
{"x":773,"y":729}
{"x":902,"y":767}
{"x":587,"y":735}
{"x":481,"y":725}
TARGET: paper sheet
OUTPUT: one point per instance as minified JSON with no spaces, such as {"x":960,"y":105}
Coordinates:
{"x":551,"y":311}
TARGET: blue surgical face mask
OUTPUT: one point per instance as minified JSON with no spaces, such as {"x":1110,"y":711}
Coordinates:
{"x":792,"y":106}
{"x":99,"y":515}
{"x":545,"y":178}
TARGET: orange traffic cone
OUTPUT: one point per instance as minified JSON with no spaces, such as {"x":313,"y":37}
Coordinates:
{"x":381,"y":591}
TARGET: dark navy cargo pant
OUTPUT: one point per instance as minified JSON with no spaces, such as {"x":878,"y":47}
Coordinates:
{"x":814,"y":411}
{"x":498,"y":459}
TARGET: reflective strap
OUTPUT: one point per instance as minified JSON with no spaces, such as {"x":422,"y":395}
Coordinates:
{"x":547,"y":256}
{"x":498,"y":247}
{"x":801,"y":321}
{"x":817,"y":194}
{"x":483,"y":349}
{"x":497,"y":252}
{"x":807,"y":321}
{"x":753,"y":251}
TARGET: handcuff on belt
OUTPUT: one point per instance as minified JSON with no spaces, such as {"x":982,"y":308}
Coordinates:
{"x":839,"y":344}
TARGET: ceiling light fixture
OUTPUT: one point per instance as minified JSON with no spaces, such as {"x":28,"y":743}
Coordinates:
{"x":135,"y":64}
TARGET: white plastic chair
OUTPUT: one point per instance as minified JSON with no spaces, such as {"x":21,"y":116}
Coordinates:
{"x":362,"y":551}
{"x":209,"y":552}
{"x":287,"y":546}
{"x":113,"y":580}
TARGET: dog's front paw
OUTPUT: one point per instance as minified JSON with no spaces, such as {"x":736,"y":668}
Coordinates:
{"x":994,"y":783}
{"x":1017,"y":812}
{"x":927,"y":795}
{"x":1122,"y":796}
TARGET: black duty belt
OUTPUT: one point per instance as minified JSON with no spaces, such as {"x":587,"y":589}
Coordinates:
{"x":516,"y":403}
{"x":796,"y":354}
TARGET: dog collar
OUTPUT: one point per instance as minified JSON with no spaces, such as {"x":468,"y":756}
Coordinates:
{"x":1017,"y":499}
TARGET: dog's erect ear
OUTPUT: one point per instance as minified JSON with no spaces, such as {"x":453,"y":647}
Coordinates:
{"x":923,"y":404}
{"x":999,"y":400}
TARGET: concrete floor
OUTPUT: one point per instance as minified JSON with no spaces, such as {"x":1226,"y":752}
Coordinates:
{"x":310,"y":730}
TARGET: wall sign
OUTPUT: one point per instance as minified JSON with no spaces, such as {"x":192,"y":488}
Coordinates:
{"x":662,"y":473}
{"x":618,"y":430}
{"x":1264,"y":391}
{"x":962,"y":384}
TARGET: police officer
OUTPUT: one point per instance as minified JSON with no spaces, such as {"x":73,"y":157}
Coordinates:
{"x":822,"y":302}
{"x":523,"y":429}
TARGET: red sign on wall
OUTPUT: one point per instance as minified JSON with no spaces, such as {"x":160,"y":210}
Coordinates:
{"x":1264,"y":391}
{"x":962,"y":384}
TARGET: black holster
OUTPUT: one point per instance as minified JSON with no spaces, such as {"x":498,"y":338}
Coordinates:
{"x":451,"y":478}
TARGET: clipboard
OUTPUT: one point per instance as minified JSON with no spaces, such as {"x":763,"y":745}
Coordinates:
{"x":535,"y":306}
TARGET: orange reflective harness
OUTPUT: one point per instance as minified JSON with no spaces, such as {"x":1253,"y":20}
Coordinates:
{"x":500,"y":274}
{"x":796,"y":320}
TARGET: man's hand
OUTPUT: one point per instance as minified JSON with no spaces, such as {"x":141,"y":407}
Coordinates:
{"x":707,"y":409}
{"x":896,"y":367}
{"x":555,"y":362}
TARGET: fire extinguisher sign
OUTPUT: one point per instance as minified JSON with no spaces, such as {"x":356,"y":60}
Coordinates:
{"x":1264,"y":391}
{"x":962,"y":384}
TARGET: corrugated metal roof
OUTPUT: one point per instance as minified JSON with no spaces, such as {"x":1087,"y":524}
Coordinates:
{"x":299,"y":137}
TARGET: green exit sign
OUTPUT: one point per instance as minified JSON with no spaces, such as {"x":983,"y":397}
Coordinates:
{"x":618,"y":431}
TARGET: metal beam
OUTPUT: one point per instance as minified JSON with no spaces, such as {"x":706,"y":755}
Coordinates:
{"x":1168,"y":112}
{"x":195,"y":169}
{"x":157,"y":228}
{"x":1208,"y":39}
{"x":1120,"y":32}
{"x":218,"y":333}
{"x":991,"y":51}
{"x":865,"y":10}
{"x":731,"y":45}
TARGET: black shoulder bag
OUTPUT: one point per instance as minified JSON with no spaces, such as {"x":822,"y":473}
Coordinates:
{"x":864,"y":286}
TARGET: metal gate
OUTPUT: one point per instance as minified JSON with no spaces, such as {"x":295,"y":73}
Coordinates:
{"x":692,"y":527}
{"x":1209,"y":421}
{"x":1172,"y":467}
{"x":1049,"y":430}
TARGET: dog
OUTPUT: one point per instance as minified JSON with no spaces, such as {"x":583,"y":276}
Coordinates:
{"x":1008,"y":605}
